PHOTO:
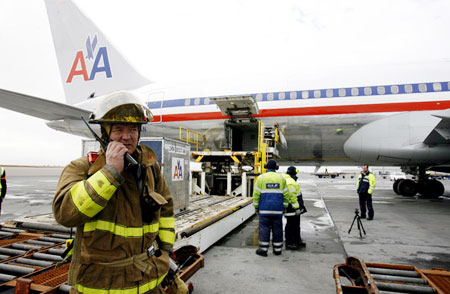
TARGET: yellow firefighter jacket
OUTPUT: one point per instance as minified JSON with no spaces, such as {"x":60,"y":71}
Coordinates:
{"x":105,"y":207}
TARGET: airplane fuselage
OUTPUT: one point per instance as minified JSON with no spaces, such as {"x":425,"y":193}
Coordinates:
{"x":316,"y":123}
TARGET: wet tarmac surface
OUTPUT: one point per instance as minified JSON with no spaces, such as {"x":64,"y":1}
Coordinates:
{"x":410,"y":231}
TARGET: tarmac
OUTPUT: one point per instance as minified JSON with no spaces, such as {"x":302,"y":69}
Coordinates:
{"x":410,"y":231}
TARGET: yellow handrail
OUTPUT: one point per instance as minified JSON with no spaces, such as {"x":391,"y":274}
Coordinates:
{"x":262,"y":154}
{"x":192,"y":137}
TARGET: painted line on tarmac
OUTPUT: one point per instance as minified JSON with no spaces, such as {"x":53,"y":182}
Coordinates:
{"x":332,"y":222}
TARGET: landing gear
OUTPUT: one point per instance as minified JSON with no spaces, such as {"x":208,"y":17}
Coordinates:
{"x":395,"y":186}
{"x":425,"y":187}
{"x":407,"y":188}
{"x":430,"y":188}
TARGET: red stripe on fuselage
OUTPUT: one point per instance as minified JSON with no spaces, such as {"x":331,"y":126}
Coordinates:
{"x":319,"y":110}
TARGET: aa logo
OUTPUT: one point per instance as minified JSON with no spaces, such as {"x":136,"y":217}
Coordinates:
{"x":101,"y":63}
{"x":177,"y":169}
{"x":273,"y":186}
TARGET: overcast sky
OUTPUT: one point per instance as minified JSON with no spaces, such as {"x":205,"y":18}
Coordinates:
{"x":193,"y":40}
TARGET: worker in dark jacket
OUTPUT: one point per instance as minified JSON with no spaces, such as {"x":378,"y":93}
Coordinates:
{"x":2,"y":186}
{"x":292,"y":214}
{"x":365,"y":187}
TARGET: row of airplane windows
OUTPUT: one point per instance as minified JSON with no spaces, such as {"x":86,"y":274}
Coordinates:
{"x":325,"y":93}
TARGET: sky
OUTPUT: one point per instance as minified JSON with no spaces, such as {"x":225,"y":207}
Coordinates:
{"x":238,"y":40}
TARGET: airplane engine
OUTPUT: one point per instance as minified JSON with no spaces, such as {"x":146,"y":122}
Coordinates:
{"x":407,"y":139}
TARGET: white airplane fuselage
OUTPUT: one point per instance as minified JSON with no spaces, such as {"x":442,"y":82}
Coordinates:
{"x":315,"y":122}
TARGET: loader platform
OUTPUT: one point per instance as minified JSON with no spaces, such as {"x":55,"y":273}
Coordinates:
{"x":358,"y":277}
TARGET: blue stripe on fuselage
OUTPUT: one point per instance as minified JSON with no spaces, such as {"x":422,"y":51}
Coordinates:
{"x":397,"y":89}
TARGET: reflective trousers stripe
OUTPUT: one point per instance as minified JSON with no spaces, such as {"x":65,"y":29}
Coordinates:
{"x":133,"y":290}
{"x":119,"y":229}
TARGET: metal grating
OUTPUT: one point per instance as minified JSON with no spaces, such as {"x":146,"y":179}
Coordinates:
{"x":53,"y":277}
{"x":16,"y":239}
{"x":440,"y":281}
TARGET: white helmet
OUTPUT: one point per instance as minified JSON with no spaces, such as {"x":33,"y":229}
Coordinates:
{"x":121,"y":107}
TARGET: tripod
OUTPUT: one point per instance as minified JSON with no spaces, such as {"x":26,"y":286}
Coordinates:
{"x":359,"y":222}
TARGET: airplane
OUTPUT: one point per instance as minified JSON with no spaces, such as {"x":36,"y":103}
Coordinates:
{"x":399,"y":119}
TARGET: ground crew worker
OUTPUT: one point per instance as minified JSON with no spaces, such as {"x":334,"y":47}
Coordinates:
{"x":293,"y":212}
{"x":2,"y":186}
{"x":270,"y":197}
{"x":120,"y":209}
{"x":365,"y":187}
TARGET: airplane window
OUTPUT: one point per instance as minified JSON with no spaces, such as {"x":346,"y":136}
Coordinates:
{"x":281,"y":96}
{"x":305,"y":94}
{"x":187,"y":102}
{"x":330,"y":93}
{"x":206,"y":101}
{"x":437,"y":86}
{"x":293,"y":95}
{"x":197,"y":101}
{"x":367,"y":91}
{"x":341,"y":92}
{"x":355,"y":91}
{"x":422,"y":88}
{"x":408,"y":88}
{"x":259,"y":97}
{"x":381,"y":90}
{"x":394,"y":89}
{"x":316,"y":93}
{"x":270,"y":96}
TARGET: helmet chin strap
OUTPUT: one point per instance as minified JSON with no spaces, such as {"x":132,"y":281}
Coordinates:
{"x":105,"y":135}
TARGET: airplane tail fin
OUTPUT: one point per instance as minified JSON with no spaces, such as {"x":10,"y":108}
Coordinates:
{"x":89,"y":65}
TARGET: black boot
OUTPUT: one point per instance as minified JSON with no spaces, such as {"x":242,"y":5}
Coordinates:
{"x":261,"y":252}
{"x":291,"y":247}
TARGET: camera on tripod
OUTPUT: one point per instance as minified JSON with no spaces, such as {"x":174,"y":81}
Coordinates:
{"x":357,"y":218}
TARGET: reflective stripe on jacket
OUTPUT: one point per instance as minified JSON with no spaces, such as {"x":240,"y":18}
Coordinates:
{"x":270,"y":194}
{"x":106,"y":209}
{"x":366,"y":183}
{"x":294,"y":191}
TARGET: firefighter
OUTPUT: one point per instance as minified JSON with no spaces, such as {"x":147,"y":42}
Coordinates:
{"x":270,"y":197}
{"x":365,"y":187}
{"x":123,"y":212}
{"x":2,"y":186}
{"x":292,"y":214}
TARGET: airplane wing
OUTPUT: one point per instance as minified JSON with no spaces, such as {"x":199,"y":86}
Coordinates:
{"x":441,"y":133}
{"x":38,"y":107}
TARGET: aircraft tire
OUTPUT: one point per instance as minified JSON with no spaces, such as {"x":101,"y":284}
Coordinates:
{"x":407,"y":188}
{"x":431,"y":188}
{"x":395,"y":186}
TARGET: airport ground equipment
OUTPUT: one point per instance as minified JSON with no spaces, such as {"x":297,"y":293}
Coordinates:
{"x":359,"y":277}
{"x":247,"y":145}
{"x":327,"y":175}
{"x":31,"y":261}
